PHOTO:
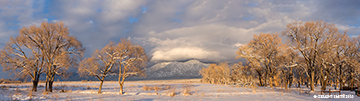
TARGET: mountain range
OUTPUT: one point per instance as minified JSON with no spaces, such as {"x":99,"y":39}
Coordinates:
{"x":175,"y":70}
{"x":157,"y":71}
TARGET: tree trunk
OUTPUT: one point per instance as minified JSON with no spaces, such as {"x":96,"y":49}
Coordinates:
{"x":291,"y":77}
{"x":46,"y":83}
{"x":312,"y":80}
{"x":316,"y":81}
{"x":336,"y":86}
{"x":302,"y":80}
{"x":121,"y":84}
{"x":289,"y":82}
{"x":286,"y":82}
{"x":323,"y":84}
{"x":270,"y":82}
{"x":322,"y":79}
{"x":51,"y":82}
{"x":48,"y":78}
{"x":336,"y":79}
{"x":276,"y":80}
{"x":340,"y":77}
{"x":341,"y":84}
{"x":35,"y":84}
{"x":352,"y":79}
{"x":51,"y":85}
{"x":265,"y":80}
{"x":308,"y":82}
{"x":261,"y":84}
{"x":121,"y":89}
{"x":101,"y":83}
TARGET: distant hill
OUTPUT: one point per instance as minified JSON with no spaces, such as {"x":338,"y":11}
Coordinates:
{"x":157,"y":71}
{"x":175,"y":70}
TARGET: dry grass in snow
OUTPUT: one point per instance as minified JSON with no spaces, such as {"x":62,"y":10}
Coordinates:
{"x":156,"y":90}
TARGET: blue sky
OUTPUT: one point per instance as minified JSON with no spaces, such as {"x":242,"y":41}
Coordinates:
{"x":209,"y":30}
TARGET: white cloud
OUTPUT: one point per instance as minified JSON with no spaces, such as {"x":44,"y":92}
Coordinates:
{"x":213,"y":42}
{"x":183,"y":53}
{"x":115,"y":10}
{"x":238,"y":44}
{"x":344,"y":27}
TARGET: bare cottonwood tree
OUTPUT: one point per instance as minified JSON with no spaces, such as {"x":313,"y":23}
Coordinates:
{"x":216,"y":74}
{"x":206,"y":73}
{"x":247,"y":52}
{"x":50,"y":48}
{"x":60,"y":50}
{"x":289,"y":60}
{"x":100,"y":64}
{"x":131,"y":61}
{"x":317,"y":50}
{"x":23,"y":59}
{"x":343,"y":60}
{"x":223,"y":70}
{"x":242,"y":74}
{"x":311,"y":39}
{"x":262,"y":53}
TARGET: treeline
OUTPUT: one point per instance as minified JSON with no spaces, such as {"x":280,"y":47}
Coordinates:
{"x":314,"y":52}
{"x":49,"y":49}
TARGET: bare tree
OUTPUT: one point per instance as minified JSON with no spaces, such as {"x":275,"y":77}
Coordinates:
{"x":223,"y":71}
{"x":59,"y":50}
{"x":206,"y":73}
{"x":216,"y":74}
{"x":311,"y":39}
{"x":262,"y":52}
{"x":289,"y":60}
{"x":242,"y":74}
{"x":132,"y":61}
{"x":49,"y":47}
{"x":23,"y":59}
{"x":342,"y":60}
{"x":252,"y":59}
{"x":100,"y":64}
{"x":351,"y":61}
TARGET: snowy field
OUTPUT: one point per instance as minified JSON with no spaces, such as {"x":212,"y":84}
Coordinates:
{"x":160,"y":90}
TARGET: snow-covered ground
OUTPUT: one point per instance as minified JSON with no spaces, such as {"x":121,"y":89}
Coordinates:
{"x":141,"y":90}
